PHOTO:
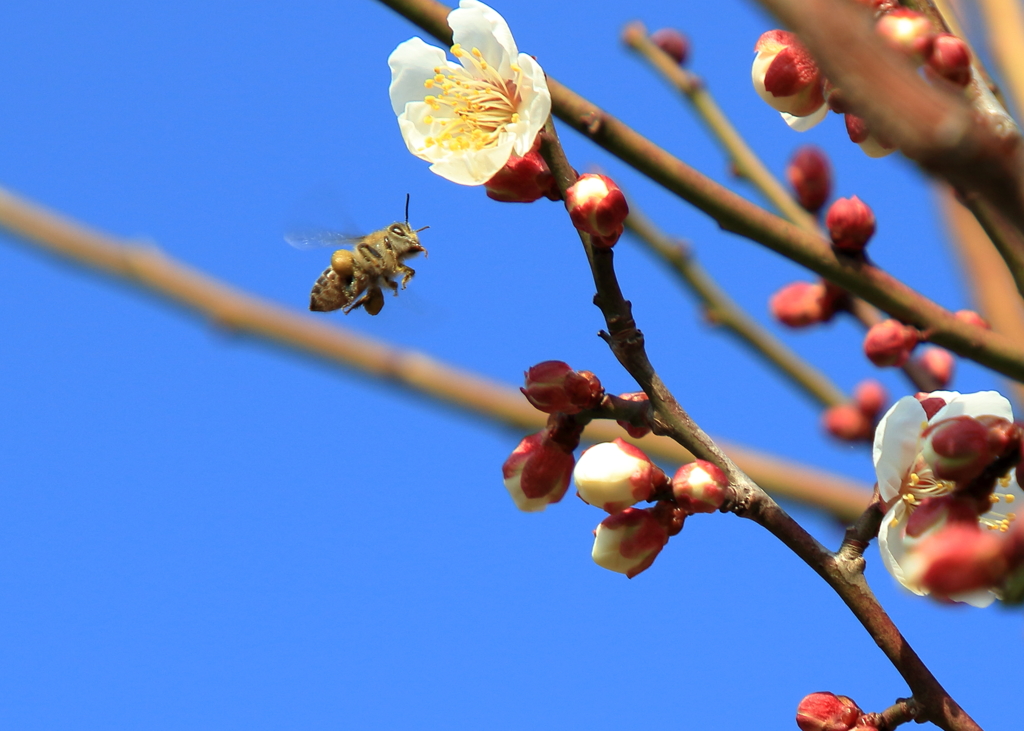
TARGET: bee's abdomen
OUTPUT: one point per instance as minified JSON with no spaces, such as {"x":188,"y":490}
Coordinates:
{"x":328,"y":293}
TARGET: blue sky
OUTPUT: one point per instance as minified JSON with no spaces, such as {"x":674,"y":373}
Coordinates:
{"x":200,"y":531}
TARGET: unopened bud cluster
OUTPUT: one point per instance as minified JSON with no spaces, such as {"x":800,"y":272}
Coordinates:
{"x":789,"y":80}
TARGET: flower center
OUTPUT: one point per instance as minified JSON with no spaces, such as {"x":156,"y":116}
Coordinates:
{"x":479,"y":101}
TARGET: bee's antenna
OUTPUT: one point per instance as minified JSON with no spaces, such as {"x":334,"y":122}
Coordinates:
{"x":406,"y":209}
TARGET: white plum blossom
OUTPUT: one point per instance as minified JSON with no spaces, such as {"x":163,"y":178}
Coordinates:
{"x":468,"y":118}
{"x":904,"y":480}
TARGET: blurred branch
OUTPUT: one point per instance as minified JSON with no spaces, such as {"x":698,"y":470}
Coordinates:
{"x":239,"y":312}
{"x":722,"y":310}
{"x":747,"y":163}
{"x":740,"y":216}
{"x":1004,"y":25}
{"x":992,"y":288}
{"x":844,"y":574}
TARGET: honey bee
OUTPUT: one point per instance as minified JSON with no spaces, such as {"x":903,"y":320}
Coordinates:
{"x":355,"y":277}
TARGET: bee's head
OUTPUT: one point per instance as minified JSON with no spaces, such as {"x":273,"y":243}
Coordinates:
{"x":404,"y":240}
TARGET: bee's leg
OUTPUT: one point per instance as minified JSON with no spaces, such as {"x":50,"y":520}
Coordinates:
{"x":407,"y":274}
{"x":390,"y":284}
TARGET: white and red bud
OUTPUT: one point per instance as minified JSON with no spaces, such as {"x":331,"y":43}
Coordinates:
{"x":701,"y":487}
{"x":597,"y":207}
{"x":931,"y":404}
{"x":810,"y":176}
{"x":614,"y":475}
{"x":950,"y":58}
{"x":848,"y":423}
{"x":522,"y":180}
{"x":629,"y":541}
{"x":851,"y":224}
{"x":957,"y":559}
{"x":672,"y":42}
{"x":888,"y":343}
{"x":538,"y":472}
{"x":827,"y":712}
{"x":634,"y":430}
{"x":870,"y":144}
{"x":972,"y":318}
{"x":939,"y":364}
{"x":908,"y":32}
{"x":870,"y":396}
{"x":785,"y":75}
{"x":552,"y":386}
{"x":962,"y":447}
{"x":804,"y":303}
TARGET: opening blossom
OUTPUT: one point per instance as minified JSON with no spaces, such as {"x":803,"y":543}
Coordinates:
{"x":907,"y":482}
{"x":469,"y":118}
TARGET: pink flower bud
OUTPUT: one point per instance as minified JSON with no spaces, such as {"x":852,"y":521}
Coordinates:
{"x":939,"y":363}
{"x":701,"y":487}
{"x":628,"y":542}
{"x":633,"y":430}
{"x":538,"y":472}
{"x":673,"y":43}
{"x":522,"y":180}
{"x":870,"y":396}
{"x":827,"y":712}
{"x":785,"y":75}
{"x":552,"y":386}
{"x":850,"y":224}
{"x":848,"y":423}
{"x":810,"y":176}
{"x":908,"y":32}
{"x":957,"y":559}
{"x":871,"y":145}
{"x":888,"y":343}
{"x":961,"y":447}
{"x":972,"y":318}
{"x":597,"y":207}
{"x":614,"y":475}
{"x":798,"y":304}
{"x":951,"y":59}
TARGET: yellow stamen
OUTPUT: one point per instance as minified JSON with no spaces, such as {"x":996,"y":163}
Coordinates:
{"x":1009,"y":497}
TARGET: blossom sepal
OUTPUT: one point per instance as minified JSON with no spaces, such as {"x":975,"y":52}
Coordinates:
{"x":615,"y":475}
{"x":522,"y":180}
{"x":627,"y":542}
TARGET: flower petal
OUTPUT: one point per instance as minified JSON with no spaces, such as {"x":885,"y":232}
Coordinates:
{"x":412,"y":63}
{"x":897,"y":441}
{"x":475,"y":25}
{"x":802,"y":124}
{"x":532,"y":118}
{"x":475,"y":167}
{"x":978,"y":598}
{"x":892,"y":543}
{"x":982,"y":403}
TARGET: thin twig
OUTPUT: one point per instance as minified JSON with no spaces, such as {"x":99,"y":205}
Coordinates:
{"x":740,"y":216}
{"x":1004,"y":25}
{"x":245,"y":314}
{"x":722,"y":310}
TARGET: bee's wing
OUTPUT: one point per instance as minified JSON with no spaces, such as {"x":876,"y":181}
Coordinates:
{"x":318,"y":239}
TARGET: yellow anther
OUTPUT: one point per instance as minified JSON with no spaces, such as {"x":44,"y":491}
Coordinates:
{"x":427,"y":119}
{"x":1009,"y":497}
{"x":429,"y":83}
{"x":457,"y":50}
{"x":914,"y":479}
{"x":993,"y":498}
{"x":476,"y":52}
{"x":1004,"y":481}
{"x":516,"y":69}
{"x":894,"y":522}
{"x":515,"y":118}
{"x":1011,"y":516}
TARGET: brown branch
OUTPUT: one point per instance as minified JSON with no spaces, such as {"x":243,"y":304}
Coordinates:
{"x":1004,"y":24}
{"x":229,"y":308}
{"x":740,"y":216}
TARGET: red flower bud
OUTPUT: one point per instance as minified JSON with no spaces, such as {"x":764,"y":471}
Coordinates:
{"x":701,"y":487}
{"x":628,"y":542}
{"x":538,"y":472}
{"x":972,"y":318}
{"x":614,"y":475}
{"x":870,"y":396}
{"x":908,"y":32}
{"x":961,"y":447}
{"x":633,"y":430}
{"x":951,"y":59}
{"x":848,"y":423}
{"x":810,"y":176}
{"x":850,"y":224}
{"x":871,"y":145}
{"x":938,"y":363}
{"x":597,"y":207}
{"x":889,"y":343}
{"x":800,"y":304}
{"x":957,"y":559}
{"x":673,"y":43}
{"x":552,"y":386}
{"x":827,"y":712}
{"x":785,"y":75}
{"x":522,"y":180}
